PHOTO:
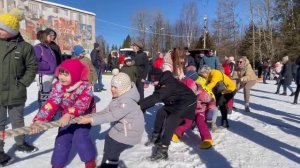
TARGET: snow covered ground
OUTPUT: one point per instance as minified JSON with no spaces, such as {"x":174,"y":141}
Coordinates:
{"x":268,"y":137}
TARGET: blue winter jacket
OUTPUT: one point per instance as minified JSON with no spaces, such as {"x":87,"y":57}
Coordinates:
{"x":211,"y":61}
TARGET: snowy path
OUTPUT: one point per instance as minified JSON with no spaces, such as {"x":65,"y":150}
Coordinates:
{"x":267,"y":137}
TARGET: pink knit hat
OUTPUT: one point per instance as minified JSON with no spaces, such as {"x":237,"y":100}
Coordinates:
{"x":78,"y":71}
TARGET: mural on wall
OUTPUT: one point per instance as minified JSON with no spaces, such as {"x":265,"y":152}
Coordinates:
{"x":72,"y":27}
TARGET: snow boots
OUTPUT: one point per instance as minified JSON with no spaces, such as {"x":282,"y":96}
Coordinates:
{"x":4,"y":159}
{"x":225,"y":124}
{"x":90,"y":164}
{"x":153,"y":140}
{"x":175,"y":138}
{"x":26,"y":148}
{"x":206,"y":144}
{"x":161,"y":153}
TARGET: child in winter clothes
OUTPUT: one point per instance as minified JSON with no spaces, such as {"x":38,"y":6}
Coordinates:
{"x":205,"y":102}
{"x":79,"y":53}
{"x":73,"y":97}
{"x":130,"y":69}
{"x":180,"y":102}
{"x":126,"y":117}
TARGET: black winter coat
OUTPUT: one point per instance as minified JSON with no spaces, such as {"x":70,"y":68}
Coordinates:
{"x":175,"y":95}
{"x":287,"y":73}
{"x":142,"y":62}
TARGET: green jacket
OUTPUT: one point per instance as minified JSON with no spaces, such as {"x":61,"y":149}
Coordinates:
{"x":131,"y":71}
{"x":18,"y":68}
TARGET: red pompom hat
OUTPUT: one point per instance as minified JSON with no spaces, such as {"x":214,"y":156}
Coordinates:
{"x":78,"y":71}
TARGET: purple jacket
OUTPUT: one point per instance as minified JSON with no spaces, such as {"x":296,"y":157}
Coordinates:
{"x":45,"y":58}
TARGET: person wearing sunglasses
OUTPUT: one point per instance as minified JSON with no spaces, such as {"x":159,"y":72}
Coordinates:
{"x":246,"y":78}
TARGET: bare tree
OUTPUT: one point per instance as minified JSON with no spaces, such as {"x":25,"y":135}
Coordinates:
{"x":189,"y":22}
{"x":226,"y":27}
{"x":139,"y":22}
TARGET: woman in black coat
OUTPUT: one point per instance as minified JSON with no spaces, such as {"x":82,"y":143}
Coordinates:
{"x":297,"y":80}
{"x":180,"y":102}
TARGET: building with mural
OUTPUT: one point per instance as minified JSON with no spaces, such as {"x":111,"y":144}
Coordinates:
{"x":73,"y":26}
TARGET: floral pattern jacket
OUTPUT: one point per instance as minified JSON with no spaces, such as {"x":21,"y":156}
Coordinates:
{"x":76,"y":100}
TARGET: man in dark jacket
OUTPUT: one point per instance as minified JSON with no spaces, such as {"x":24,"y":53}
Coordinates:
{"x":97,"y":61}
{"x":180,"y":102}
{"x":55,"y":48}
{"x":142,"y":62}
{"x":18,"y":68}
{"x":286,"y":76}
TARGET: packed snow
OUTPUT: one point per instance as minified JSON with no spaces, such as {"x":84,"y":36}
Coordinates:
{"x":267,"y":137}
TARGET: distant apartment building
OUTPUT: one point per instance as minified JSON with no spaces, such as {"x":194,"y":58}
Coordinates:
{"x":73,"y":26}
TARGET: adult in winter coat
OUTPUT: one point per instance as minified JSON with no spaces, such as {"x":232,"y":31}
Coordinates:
{"x":17,"y":71}
{"x":46,"y":61}
{"x":179,"y":103}
{"x":72,"y":97}
{"x":266,"y":70}
{"x":214,"y":78}
{"x":55,"y":48}
{"x":286,"y":76}
{"x":98,"y":63}
{"x":297,"y":81}
{"x":142,"y":62}
{"x":126,"y":117}
{"x":211,"y":60}
{"x":246,"y":79}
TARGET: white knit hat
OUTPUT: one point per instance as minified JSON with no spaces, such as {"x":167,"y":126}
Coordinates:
{"x":122,"y":82}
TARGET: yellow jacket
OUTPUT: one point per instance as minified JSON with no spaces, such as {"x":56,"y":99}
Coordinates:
{"x":202,"y":82}
{"x":216,"y":76}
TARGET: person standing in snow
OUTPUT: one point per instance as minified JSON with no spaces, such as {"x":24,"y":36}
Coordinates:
{"x":246,"y":79}
{"x":46,"y":62}
{"x":179,"y":103}
{"x":72,"y":96}
{"x":18,"y":68}
{"x":297,"y":81}
{"x":125,"y":116}
{"x":98,"y":63}
{"x":141,"y":61}
{"x":286,"y":76}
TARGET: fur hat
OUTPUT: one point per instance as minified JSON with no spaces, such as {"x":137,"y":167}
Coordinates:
{"x":122,"y":82}
{"x":138,"y":44}
{"x":78,"y":71}
{"x":10,"y":21}
{"x":78,"y":49}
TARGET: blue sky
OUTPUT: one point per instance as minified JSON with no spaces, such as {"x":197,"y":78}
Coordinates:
{"x":121,"y":12}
